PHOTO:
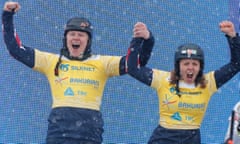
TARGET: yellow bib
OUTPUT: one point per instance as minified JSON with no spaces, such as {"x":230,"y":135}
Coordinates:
{"x":80,"y":83}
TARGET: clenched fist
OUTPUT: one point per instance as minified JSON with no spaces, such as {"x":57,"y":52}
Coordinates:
{"x":11,"y":6}
{"x":140,"y":31}
{"x":227,"y":27}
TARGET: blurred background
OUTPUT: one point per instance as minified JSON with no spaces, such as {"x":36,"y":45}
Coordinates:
{"x":130,"y":109}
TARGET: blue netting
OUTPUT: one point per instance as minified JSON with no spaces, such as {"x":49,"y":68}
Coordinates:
{"x":130,"y":109}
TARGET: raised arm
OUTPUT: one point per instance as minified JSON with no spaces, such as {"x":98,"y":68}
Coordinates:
{"x":141,"y":31}
{"x":229,"y":70}
{"x":145,"y":37}
{"x":11,"y":39}
{"x":136,"y":70}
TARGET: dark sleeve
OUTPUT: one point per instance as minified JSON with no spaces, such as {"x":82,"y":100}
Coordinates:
{"x":18,"y":51}
{"x":145,"y":51}
{"x":229,"y":70}
{"x":135,"y":69}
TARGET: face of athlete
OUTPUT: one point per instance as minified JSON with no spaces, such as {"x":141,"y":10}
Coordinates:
{"x":189,"y":69}
{"x":76,"y":43}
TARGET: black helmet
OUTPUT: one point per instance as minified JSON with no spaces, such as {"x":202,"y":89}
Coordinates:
{"x":189,"y":51}
{"x":78,"y":24}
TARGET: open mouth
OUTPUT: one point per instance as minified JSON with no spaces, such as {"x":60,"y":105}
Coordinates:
{"x":190,"y":75}
{"x":76,"y":46}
